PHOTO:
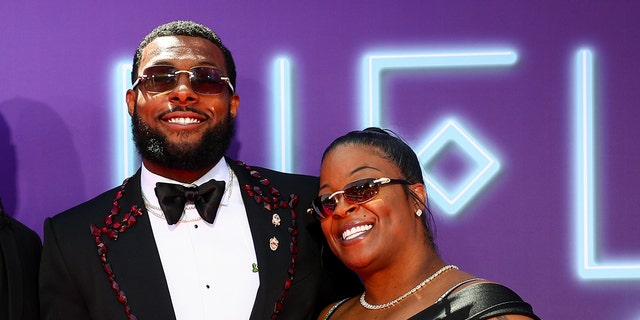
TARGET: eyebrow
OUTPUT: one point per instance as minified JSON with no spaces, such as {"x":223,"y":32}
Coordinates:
{"x":170,"y":63}
{"x":353,"y":172}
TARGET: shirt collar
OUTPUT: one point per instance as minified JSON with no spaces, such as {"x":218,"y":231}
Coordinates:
{"x":148,"y":180}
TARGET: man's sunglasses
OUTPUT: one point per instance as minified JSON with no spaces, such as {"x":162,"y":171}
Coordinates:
{"x":357,"y":192}
{"x":203,"y":79}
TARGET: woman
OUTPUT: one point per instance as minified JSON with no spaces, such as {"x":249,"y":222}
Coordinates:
{"x":374,"y":214}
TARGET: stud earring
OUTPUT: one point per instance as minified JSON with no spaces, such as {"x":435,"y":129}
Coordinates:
{"x":418,"y":212}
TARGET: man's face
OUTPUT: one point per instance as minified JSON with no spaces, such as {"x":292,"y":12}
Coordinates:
{"x":180,"y":128}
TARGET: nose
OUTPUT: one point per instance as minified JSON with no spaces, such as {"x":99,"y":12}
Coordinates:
{"x":343,"y":208}
{"x":183,"y":93}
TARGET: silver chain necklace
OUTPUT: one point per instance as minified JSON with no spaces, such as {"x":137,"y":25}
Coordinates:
{"x":369,"y":306}
{"x":157,"y":211}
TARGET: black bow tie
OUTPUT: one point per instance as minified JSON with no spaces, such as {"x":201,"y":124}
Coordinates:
{"x":173,"y":197}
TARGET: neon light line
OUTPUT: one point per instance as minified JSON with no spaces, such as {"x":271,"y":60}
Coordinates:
{"x":124,"y":156}
{"x":486,"y":164}
{"x":377,"y":63}
{"x":585,"y":181}
{"x":281,"y":110}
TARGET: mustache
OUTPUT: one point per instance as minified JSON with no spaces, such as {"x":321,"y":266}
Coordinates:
{"x":173,"y":109}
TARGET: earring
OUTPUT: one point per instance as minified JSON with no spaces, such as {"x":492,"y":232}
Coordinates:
{"x":418,"y":212}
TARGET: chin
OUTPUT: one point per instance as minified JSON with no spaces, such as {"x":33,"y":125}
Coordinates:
{"x":355,"y":262}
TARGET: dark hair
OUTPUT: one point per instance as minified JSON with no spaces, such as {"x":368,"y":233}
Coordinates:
{"x":392,"y":147}
{"x":185,"y":28}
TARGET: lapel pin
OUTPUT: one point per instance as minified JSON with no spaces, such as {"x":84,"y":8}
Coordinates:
{"x":273,"y":244}
{"x":275,"y":219}
{"x":254,"y":267}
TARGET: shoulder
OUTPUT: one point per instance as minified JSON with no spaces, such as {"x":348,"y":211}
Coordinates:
{"x":329,"y":310}
{"x":485,"y":288}
{"x":24,"y":240}
{"x":87,"y":211}
{"x":240,"y":165}
{"x":485,"y":299}
{"x":301,"y":184}
{"x":18,"y":230}
{"x":100,"y":205}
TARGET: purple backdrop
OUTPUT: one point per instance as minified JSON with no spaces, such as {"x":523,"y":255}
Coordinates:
{"x":57,"y":101}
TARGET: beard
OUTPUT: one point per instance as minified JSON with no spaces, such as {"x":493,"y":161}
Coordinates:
{"x":154,"y":146}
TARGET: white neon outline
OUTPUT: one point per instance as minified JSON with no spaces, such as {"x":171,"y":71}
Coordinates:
{"x":488,"y":167}
{"x":375,"y":64}
{"x":125,"y":157}
{"x":281,"y":123}
{"x":585,"y":180}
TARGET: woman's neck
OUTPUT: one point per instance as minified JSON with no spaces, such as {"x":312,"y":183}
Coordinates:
{"x":387,"y":284}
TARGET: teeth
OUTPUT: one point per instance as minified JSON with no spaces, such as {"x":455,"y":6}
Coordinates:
{"x":183,"y":120}
{"x":355,"y":232}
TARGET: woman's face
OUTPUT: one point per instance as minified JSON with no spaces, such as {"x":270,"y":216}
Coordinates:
{"x":370,"y":235}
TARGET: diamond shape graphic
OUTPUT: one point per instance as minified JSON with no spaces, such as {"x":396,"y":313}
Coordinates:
{"x":452,"y":197}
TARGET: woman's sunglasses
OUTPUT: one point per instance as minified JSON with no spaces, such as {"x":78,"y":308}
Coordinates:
{"x":357,"y":192}
{"x":203,"y":79}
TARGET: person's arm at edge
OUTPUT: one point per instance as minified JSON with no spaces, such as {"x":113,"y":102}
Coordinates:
{"x":59,"y":298}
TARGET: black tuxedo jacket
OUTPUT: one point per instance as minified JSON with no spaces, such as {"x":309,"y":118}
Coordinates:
{"x":19,"y":258}
{"x":75,"y":285}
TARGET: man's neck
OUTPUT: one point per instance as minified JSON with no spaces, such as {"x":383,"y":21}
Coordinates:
{"x":183,"y":176}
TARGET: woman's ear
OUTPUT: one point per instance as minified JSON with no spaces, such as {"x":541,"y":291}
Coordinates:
{"x":421,"y":192}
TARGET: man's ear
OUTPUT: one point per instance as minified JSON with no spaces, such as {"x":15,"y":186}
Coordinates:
{"x":131,"y":97}
{"x":234,"y":103}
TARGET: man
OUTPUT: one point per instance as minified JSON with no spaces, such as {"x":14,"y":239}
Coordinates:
{"x":138,"y":251}
{"x":19,"y":257}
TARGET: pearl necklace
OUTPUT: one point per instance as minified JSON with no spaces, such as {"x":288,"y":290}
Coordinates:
{"x":369,"y":306}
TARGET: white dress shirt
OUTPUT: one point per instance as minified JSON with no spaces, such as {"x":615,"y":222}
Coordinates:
{"x":211,"y":269}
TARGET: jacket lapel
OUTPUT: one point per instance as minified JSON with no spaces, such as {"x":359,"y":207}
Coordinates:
{"x":274,"y":260}
{"x":135,"y":261}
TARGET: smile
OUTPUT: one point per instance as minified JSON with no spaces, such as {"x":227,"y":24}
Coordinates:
{"x":183,"y":121}
{"x":356,"y":232}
